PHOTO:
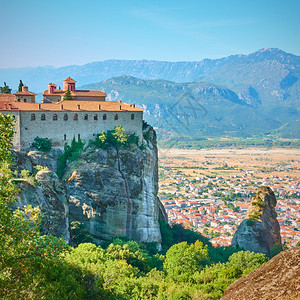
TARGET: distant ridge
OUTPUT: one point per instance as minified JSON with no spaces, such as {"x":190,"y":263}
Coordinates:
{"x":244,"y":94}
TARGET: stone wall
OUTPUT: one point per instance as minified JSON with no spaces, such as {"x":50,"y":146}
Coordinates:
{"x":60,"y":131}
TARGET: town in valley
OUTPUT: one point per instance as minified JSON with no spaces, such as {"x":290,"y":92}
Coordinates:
{"x":209,"y":190}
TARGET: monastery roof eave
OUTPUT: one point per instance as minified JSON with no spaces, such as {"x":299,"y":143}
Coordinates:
{"x":70,"y":106}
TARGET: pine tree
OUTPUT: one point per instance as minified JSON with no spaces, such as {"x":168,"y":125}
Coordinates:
{"x":20,"y":86}
{"x":5,"y":89}
{"x":67,"y":95}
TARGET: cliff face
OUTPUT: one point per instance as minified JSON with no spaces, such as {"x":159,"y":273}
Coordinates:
{"x":279,"y":278}
{"x":260,"y":231}
{"x":50,"y":194}
{"x":113,"y":192}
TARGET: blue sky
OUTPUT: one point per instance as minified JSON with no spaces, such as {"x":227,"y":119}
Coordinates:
{"x":59,"y":33}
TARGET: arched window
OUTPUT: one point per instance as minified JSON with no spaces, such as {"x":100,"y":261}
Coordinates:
{"x":65,"y":137}
{"x":25,"y":100}
{"x":65,"y":117}
{"x":96,"y":117}
{"x":75,"y":117}
{"x":86,"y":117}
{"x":32,"y":117}
{"x":132,"y":116}
{"x":43,"y":117}
{"x":55,"y":117}
{"x":116,"y":117}
{"x":104,"y":117}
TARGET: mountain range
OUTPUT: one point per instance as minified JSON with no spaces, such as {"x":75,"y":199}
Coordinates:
{"x":236,"y":95}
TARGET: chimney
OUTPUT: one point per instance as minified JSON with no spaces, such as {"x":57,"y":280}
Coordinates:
{"x":9,"y":106}
{"x":99,"y":106}
{"x":133,"y":104}
{"x":121,"y":100}
{"x":24,"y":88}
{"x":120,"y":107}
{"x":78,"y":106}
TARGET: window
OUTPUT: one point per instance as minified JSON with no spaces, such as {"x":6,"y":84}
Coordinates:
{"x":25,"y":100}
{"x":43,"y":117}
{"x":65,"y":117}
{"x":55,"y":117}
{"x":86,"y":117}
{"x":132,"y":116}
{"x":96,"y":117}
{"x":32,"y":117}
{"x":75,"y":117}
{"x":116,"y":117}
{"x":104,"y":117}
{"x":65,"y":137}
{"x":78,"y":136}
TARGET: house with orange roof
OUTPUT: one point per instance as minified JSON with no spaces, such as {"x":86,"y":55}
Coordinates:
{"x":59,"y":120}
{"x":22,"y":96}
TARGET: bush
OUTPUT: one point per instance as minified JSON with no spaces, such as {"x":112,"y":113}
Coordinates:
{"x":71,"y":153}
{"x":42,"y":144}
{"x":116,"y":137}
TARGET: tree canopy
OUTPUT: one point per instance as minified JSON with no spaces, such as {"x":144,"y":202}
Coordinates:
{"x":5,"y":89}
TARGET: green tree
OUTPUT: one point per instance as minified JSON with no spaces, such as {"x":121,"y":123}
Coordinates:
{"x":20,"y":86}
{"x":183,"y":260}
{"x":5,"y":89}
{"x":246,"y":261}
{"x":79,"y":233}
{"x":67,"y":95}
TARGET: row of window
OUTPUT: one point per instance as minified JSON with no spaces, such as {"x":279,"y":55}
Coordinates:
{"x":85,"y":117}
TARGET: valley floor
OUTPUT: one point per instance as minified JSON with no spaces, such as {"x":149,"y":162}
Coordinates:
{"x":209,"y":190}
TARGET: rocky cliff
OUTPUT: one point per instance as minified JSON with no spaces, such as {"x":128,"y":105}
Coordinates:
{"x":279,"y":278}
{"x":260,"y":231}
{"x":113,"y":192}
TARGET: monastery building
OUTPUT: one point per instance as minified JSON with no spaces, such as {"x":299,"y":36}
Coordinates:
{"x":86,"y":115}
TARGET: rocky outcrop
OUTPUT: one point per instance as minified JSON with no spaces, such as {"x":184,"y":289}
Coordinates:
{"x":279,"y":278}
{"x":260,"y":231}
{"x":114,"y":192}
{"x":50,"y":195}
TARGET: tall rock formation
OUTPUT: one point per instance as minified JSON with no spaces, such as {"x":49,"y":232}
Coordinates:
{"x":260,"y":231}
{"x":112,"y":192}
{"x":279,"y":278}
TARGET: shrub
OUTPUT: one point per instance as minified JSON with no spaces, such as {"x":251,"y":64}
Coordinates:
{"x":116,"y":137}
{"x":42,"y":144}
{"x":71,"y":153}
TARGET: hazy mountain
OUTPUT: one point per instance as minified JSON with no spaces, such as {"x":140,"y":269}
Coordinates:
{"x":245,"y":93}
{"x":268,"y":74}
{"x":197,"y":109}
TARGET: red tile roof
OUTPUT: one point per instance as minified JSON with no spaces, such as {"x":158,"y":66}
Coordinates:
{"x":24,"y":93}
{"x":69,"y":79}
{"x":68,"y":105}
{"x":77,"y":93}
